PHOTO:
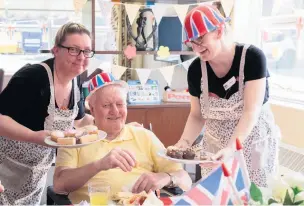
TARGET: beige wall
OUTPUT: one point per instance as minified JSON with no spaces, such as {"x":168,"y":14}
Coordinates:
{"x":290,"y":121}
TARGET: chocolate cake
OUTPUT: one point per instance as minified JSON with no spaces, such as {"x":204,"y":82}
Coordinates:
{"x":188,"y":154}
{"x":175,"y":152}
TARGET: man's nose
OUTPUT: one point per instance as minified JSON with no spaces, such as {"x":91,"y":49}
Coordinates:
{"x":114,"y":109}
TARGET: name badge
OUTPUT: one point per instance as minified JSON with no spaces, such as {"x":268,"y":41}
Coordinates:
{"x":229,"y":83}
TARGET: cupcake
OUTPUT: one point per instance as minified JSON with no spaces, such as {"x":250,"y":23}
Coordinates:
{"x":56,"y":134}
{"x":188,"y":154}
{"x":174,"y":152}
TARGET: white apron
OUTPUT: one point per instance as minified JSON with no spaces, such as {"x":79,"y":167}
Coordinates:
{"x":222,"y":116}
{"x":24,"y":166}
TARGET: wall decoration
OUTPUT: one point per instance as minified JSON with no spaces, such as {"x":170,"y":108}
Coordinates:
{"x":130,"y":52}
{"x":163,"y":52}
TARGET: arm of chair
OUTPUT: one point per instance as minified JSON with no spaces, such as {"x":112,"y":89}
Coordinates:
{"x":56,"y":199}
{"x":169,"y":192}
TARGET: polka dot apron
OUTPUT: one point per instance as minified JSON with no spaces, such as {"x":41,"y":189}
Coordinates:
{"x":24,"y":166}
{"x":222,"y":116}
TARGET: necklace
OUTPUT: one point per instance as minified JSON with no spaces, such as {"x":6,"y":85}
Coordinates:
{"x":65,"y":99}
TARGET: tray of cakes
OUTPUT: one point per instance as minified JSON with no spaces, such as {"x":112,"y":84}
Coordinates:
{"x":75,"y":138}
{"x":140,"y":199}
{"x":186,"y":156}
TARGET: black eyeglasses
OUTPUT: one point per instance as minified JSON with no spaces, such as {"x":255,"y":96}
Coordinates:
{"x":74,"y":51}
{"x":197,"y":42}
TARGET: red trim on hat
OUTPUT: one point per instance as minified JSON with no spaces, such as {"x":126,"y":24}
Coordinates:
{"x":94,"y":82}
{"x":106,"y":77}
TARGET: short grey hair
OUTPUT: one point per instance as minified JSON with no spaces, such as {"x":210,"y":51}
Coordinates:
{"x":70,"y":28}
{"x":93,"y":98}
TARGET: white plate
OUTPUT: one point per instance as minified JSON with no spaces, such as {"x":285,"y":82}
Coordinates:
{"x":101,"y":134}
{"x":163,"y":154}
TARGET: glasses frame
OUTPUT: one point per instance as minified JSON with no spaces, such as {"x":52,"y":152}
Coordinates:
{"x":80,"y":50}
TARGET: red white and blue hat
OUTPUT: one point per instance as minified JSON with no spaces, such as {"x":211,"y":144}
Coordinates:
{"x":201,"y":20}
{"x":102,"y":80}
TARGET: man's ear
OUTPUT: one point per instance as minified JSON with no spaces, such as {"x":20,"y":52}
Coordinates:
{"x":92,"y":111}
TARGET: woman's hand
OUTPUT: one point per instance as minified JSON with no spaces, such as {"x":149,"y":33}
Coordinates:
{"x":223,"y":154}
{"x":1,"y":187}
{"x":39,"y":137}
{"x":183,"y":144}
{"x":219,"y":157}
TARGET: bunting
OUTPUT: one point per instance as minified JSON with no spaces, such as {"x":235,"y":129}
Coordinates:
{"x":118,"y":71}
{"x":143,"y":75}
{"x":167,"y":73}
{"x":105,"y":8}
{"x":132,"y":10}
{"x":181,"y":11}
{"x":159,"y":10}
{"x":227,"y":6}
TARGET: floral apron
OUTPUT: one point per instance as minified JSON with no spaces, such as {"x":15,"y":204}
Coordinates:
{"x":222,"y":116}
{"x":24,"y":166}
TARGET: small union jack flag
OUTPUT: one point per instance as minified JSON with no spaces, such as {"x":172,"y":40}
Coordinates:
{"x":215,"y":189}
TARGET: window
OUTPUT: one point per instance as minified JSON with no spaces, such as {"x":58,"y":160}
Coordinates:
{"x":28,"y":26}
{"x":282,"y":40}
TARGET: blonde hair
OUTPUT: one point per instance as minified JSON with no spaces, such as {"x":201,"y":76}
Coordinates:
{"x":70,"y":28}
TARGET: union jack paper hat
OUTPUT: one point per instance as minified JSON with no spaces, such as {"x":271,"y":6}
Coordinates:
{"x":201,"y":20}
{"x":102,"y":80}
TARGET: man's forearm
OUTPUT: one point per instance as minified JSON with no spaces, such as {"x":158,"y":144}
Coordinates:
{"x":70,"y":179}
{"x":183,"y":179}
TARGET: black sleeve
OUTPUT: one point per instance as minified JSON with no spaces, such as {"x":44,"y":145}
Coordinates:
{"x":255,"y":64}
{"x":81,"y":106}
{"x":21,"y":94}
{"x":194,"y":78}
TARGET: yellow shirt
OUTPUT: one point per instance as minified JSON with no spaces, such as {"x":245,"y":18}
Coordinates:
{"x":143,"y":143}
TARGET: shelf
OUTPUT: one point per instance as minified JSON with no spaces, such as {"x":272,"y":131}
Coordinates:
{"x":138,"y":52}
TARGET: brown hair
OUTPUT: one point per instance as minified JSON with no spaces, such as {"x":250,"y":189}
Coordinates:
{"x":70,"y":28}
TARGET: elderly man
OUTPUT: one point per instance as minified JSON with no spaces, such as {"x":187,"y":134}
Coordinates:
{"x":127,"y":158}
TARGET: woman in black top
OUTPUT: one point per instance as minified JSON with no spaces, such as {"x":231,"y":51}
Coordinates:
{"x":229,"y":96}
{"x":40,"y":98}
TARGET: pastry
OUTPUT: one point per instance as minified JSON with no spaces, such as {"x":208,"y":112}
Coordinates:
{"x":88,"y":138}
{"x":91,"y":129}
{"x":56,"y":134}
{"x":66,"y":141}
{"x":175,"y":152}
{"x":70,"y":133}
{"x":79,"y":133}
{"x":188,"y":154}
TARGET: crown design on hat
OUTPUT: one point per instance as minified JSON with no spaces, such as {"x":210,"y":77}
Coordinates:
{"x":201,"y":20}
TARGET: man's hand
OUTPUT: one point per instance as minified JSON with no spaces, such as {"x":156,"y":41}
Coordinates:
{"x":151,"y":181}
{"x":123,"y":159}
